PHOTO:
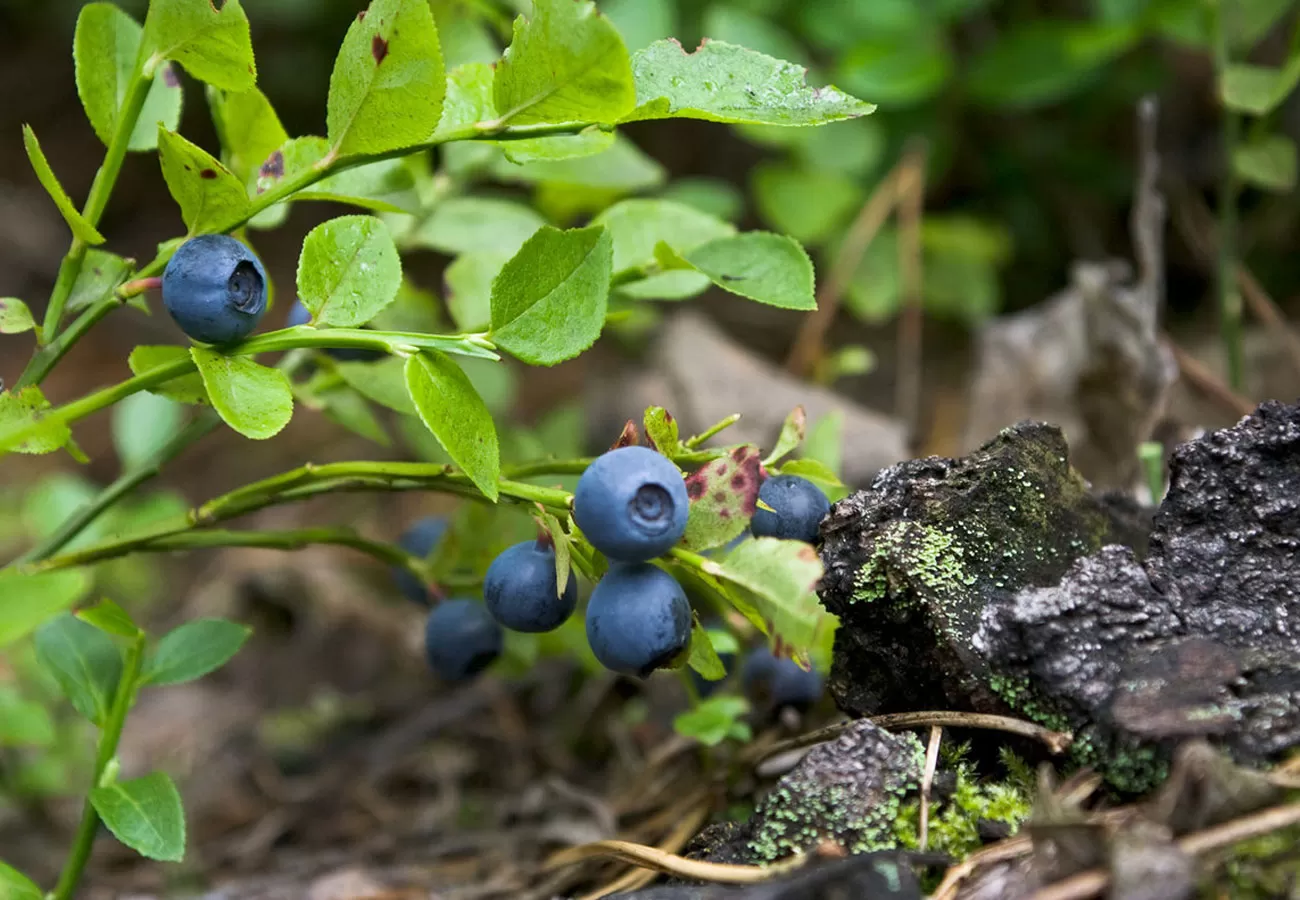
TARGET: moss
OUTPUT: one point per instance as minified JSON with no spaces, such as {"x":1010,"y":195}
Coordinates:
{"x":1264,"y":867}
{"x":954,"y":822}
{"x":1019,"y":693}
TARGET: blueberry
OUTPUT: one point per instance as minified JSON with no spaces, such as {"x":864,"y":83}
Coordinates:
{"x":215,"y":289}
{"x":779,"y":682}
{"x":461,"y":639}
{"x":638,"y":619}
{"x":800,"y":507}
{"x":520,"y":589}
{"x":631,"y":504}
{"x":418,"y":540}
{"x":300,"y":315}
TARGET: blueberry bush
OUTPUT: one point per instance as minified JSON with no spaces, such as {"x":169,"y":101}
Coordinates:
{"x":654,"y":532}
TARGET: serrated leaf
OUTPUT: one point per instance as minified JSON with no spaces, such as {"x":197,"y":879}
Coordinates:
{"x":560,"y":541}
{"x":15,"y":317}
{"x":1268,"y":162}
{"x":185,"y":389}
{"x":714,"y":720}
{"x":469,"y":288}
{"x":723,"y":493}
{"x":25,"y":407}
{"x":81,"y":229}
{"x":722,"y":82}
{"x":703,"y":658}
{"x":105,"y":49}
{"x":792,"y":432}
{"x":637,"y":225}
{"x":454,"y":412}
{"x":210,"y":40}
{"x":14,"y":885}
{"x":387,"y":87}
{"x":384,"y":382}
{"x":349,"y":270}
{"x":349,"y":409}
{"x":383,"y":186}
{"x":780,"y":577}
{"x":84,"y":661}
{"x":142,"y":424}
{"x":770,"y":268}
{"x":208,"y":193}
{"x":145,"y":814}
{"x":249,"y":129}
{"x":468,"y":100}
{"x":193,"y":650}
{"x":253,"y":399}
{"x":661,"y":431}
{"x":101,"y":272}
{"x":566,"y":63}
{"x":110,"y":618}
{"x":548,"y":302}
{"x":477,"y":224}
{"x":30,"y":600}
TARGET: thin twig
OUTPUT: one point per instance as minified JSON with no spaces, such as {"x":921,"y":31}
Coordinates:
{"x":911,"y":318}
{"x":672,"y":864}
{"x":1199,"y":376}
{"x":1003,"y":851}
{"x":927,"y":779}
{"x":679,"y":837}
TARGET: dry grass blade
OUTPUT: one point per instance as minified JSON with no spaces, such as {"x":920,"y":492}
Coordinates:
{"x":1013,"y":848}
{"x":672,"y":864}
{"x":927,"y":779}
{"x":680,"y":836}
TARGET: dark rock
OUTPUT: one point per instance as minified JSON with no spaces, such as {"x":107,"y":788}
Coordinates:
{"x":982,"y":583}
{"x":871,"y":876}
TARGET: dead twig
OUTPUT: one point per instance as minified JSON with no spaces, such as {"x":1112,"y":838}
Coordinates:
{"x":678,"y":838}
{"x":927,"y":779}
{"x":672,"y":864}
{"x":1199,"y":376}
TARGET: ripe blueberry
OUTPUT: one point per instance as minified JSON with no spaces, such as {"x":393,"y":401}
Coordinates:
{"x":779,"y":682}
{"x":300,"y":315}
{"x":631,"y":504}
{"x":418,"y":540}
{"x":461,"y":639}
{"x":800,"y":507}
{"x":638,"y":619}
{"x":519,"y":589}
{"x":215,"y":289}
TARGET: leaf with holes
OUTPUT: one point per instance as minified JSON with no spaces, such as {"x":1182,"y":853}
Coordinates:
{"x":723,"y":496}
{"x":566,"y":63}
{"x":208,"y":193}
{"x":81,"y":229}
{"x":255,"y":400}
{"x":84,"y":661}
{"x":454,"y":412}
{"x":387,"y":87}
{"x":145,"y":814}
{"x":779,"y":579}
{"x":186,"y":389}
{"x":211,"y":40}
{"x":349,"y":270}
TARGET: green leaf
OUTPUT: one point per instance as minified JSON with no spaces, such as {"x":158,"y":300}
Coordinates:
{"x":825,"y":442}
{"x":780,"y":578}
{"x":723,"y":496}
{"x":720,"y":199}
{"x":186,"y":389}
{"x":661,"y":431}
{"x":254,"y":400}
{"x":15,"y":317}
{"x":101,"y":272}
{"x":810,"y":206}
{"x":249,"y":129}
{"x":1043,"y":61}
{"x":26,"y":407}
{"x":567,"y":63}
{"x":23,"y":723}
{"x":81,"y":229}
{"x":469,"y":288}
{"x":456,"y":415}
{"x":349,"y":409}
{"x":349,"y":270}
{"x":792,"y":432}
{"x":1258,"y":90}
{"x":677,"y":284}
{"x":384,"y":382}
{"x":84,"y":661}
{"x":145,"y":814}
{"x":622,"y":168}
{"x":30,"y":600}
{"x":210,"y":40}
{"x":715,"y":720}
{"x":1268,"y":162}
{"x":636,"y":226}
{"x":563,"y":552}
{"x":387,"y":87}
{"x":110,"y":618}
{"x":105,"y":49}
{"x":703,"y":657}
{"x":383,"y":186}
{"x":769,"y":268}
{"x":14,"y":885}
{"x":142,"y":424}
{"x":468,"y":100}
{"x":476,"y":224}
{"x":587,"y":142}
{"x":721,"y":82}
{"x":548,"y":303}
{"x":900,"y":70}
{"x":193,"y":650}
{"x":207,"y":192}
{"x":819,"y":474}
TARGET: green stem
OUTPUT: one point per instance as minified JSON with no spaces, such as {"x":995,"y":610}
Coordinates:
{"x":123,"y":700}
{"x":46,"y":358}
{"x":125,"y":483}
{"x":1229,"y":297}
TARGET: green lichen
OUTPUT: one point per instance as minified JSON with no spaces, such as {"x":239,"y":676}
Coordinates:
{"x":1018,"y":693}
{"x":926,"y":555}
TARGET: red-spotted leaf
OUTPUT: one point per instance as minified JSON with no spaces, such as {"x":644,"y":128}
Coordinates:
{"x":661,"y":431}
{"x":723,"y":493}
